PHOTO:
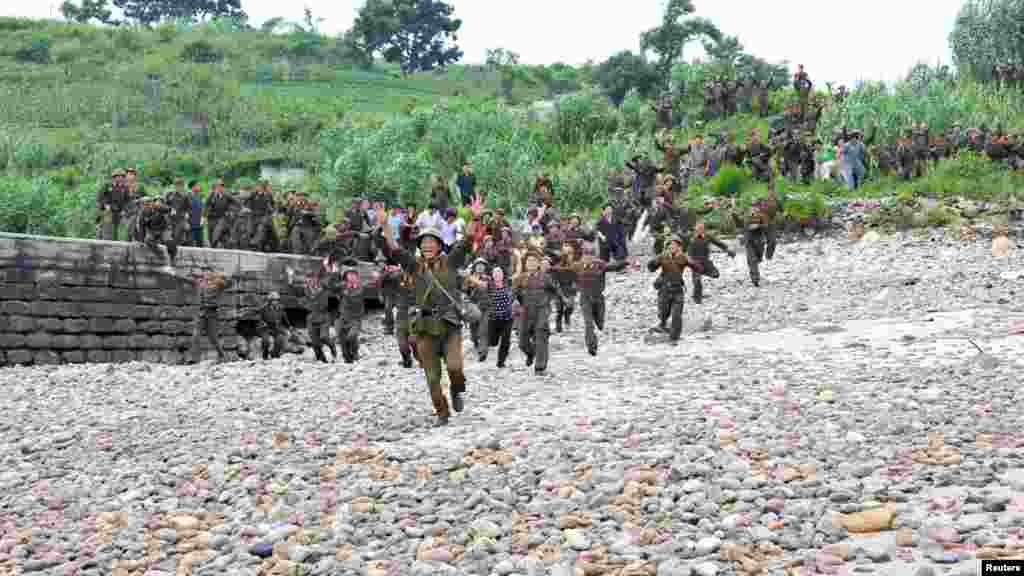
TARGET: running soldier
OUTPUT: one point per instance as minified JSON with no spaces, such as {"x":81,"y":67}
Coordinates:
{"x":273,"y":325}
{"x":533,"y":290}
{"x":699,"y":258}
{"x":438,"y":316}
{"x":672,"y":290}
{"x":351,"y":309}
{"x":589,"y":274}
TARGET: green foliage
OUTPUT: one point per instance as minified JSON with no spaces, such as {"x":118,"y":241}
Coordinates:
{"x":730,"y":180}
{"x":939,"y":102}
{"x":86,"y":11}
{"x":149,"y":12}
{"x":37,"y":51}
{"x":583,"y":118}
{"x":985,"y":33}
{"x":674,"y":33}
{"x":411,"y":33}
{"x":201,"y":52}
{"x":626,"y":71}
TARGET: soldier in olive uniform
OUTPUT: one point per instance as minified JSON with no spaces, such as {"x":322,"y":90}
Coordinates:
{"x":317,"y":291}
{"x":111,"y":197}
{"x":273,"y":323}
{"x":438,"y":317}
{"x":698,"y":253}
{"x":219,"y":207}
{"x":759,"y":157}
{"x":181,"y":204}
{"x":644,"y":172}
{"x":567,"y":257}
{"x":209,"y":288}
{"x":803,"y":85}
{"x":758,"y":237}
{"x":155,"y":222}
{"x":589,"y":273}
{"x":262,"y":236}
{"x":672,"y":292}
{"x":533,"y":289}
{"x":351,"y":310}
{"x":477,"y":288}
{"x":764,"y":86}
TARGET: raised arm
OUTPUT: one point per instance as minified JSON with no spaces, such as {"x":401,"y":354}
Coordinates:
{"x":385,"y":241}
{"x":462,"y":250}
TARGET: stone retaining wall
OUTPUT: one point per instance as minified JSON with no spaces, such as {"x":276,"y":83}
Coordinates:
{"x":65,"y":300}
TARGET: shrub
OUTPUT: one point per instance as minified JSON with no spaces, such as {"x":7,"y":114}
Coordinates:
{"x":37,"y":51}
{"x":201,"y":52}
{"x":729,"y":181}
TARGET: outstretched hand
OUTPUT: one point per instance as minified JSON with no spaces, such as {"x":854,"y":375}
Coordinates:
{"x":476,"y":206}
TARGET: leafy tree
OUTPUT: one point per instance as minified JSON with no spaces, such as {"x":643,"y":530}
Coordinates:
{"x":626,"y":71}
{"x":86,"y":11}
{"x":412,"y":33}
{"x":273,"y":25}
{"x":985,"y":33}
{"x":147,"y":12}
{"x":504,"y":62}
{"x":675,"y":32}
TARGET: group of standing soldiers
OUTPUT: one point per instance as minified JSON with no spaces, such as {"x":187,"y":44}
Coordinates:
{"x":237,"y":221}
{"x":724,"y":97}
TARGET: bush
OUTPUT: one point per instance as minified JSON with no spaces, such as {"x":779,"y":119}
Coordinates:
{"x":37,"y":51}
{"x":729,"y":181}
{"x":201,"y":52}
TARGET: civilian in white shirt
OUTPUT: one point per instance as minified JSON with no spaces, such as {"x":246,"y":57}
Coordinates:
{"x":429,"y":219}
{"x":452,"y":228}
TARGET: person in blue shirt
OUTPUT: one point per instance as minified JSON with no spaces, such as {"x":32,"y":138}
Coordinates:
{"x":466,"y":183}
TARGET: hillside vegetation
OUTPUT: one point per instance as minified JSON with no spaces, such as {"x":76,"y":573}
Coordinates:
{"x":209,"y":100}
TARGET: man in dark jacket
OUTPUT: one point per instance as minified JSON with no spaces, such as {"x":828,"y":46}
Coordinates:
{"x":196,"y":215}
{"x":613,"y":241}
{"x":466,"y":182}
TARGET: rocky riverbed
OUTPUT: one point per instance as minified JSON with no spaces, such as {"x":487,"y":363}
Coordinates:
{"x":857,"y":414}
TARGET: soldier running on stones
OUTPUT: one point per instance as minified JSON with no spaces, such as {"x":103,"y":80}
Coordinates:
{"x":699,"y":257}
{"x":672,"y":289}
{"x":567,"y":282}
{"x":273,"y":324}
{"x":589,"y":274}
{"x":209,"y":288}
{"x":758,"y":237}
{"x":533,"y":290}
{"x":437,"y":317}
{"x":317,"y":290}
{"x":351,"y":309}
{"x":477,"y":287}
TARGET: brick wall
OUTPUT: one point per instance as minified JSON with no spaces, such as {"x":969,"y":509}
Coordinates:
{"x":73,"y":301}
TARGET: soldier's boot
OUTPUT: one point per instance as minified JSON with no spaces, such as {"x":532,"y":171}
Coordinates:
{"x":457,"y":387}
{"x":558,"y":321}
{"x":319,"y":353}
{"x":406,"y":359}
{"x":334,"y":351}
{"x":568,"y":317}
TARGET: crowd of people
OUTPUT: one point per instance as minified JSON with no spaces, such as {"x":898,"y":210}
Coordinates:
{"x":441,"y":276}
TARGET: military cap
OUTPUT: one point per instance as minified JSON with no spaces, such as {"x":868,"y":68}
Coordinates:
{"x":349,"y":270}
{"x":479,"y":261}
{"x":429,"y":231}
{"x":675,"y":238}
{"x":273,"y":296}
{"x":117,"y":172}
{"x":131,"y":171}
